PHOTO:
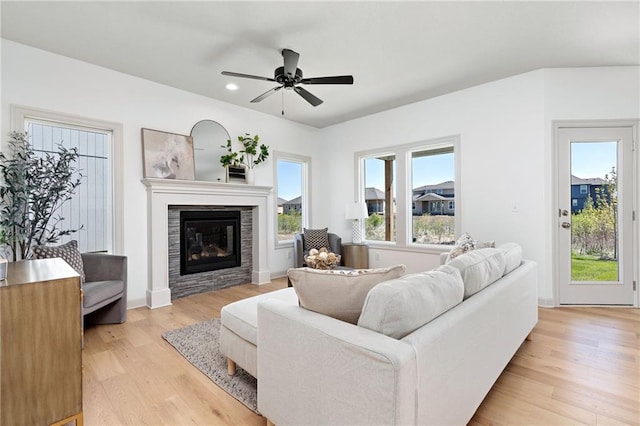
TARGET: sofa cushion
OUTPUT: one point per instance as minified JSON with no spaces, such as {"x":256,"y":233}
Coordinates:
{"x":479,"y":268}
{"x":315,"y":239}
{"x":338,"y":293}
{"x":465,"y":244}
{"x":68,"y":252}
{"x":512,"y":256}
{"x":99,"y":291}
{"x":241,"y":317}
{"x":398,"y":307}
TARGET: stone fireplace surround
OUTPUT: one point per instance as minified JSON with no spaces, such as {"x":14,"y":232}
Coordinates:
{"x":162,"y":193}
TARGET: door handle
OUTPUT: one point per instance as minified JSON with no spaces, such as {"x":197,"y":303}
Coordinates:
{"x":566,"y":225}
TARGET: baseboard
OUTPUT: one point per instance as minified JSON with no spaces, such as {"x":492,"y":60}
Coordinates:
{"x":278,"y":274}
{"x":544,"y":302}
{"x":136,"y":303}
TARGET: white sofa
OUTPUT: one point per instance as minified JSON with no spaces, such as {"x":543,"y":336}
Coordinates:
{"x":314,"y":369}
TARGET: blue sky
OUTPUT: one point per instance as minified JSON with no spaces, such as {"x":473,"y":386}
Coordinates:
{"x":592,"y":159}
{"x":289,"y":179}
{"x":429,"y":170}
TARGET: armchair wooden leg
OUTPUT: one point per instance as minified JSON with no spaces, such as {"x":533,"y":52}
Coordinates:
{"x":270,"y":423}
{"x":231,"y":367}
{"x":529,"y":338}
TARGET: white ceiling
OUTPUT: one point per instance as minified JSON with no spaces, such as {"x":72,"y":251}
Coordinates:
{"x":398,"y":52}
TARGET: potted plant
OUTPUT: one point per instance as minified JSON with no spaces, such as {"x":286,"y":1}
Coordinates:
{"x":241,"y":163}
{"x":33,"y":188}
{"x":3,"y":254}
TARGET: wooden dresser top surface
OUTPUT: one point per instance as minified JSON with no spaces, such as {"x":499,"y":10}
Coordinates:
{"x":37,"y":270}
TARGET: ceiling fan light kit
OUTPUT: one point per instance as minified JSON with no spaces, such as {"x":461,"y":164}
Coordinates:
{"x":290,"y":77}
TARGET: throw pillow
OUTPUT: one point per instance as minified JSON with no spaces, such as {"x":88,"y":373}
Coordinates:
{"x":68,"y":252}
{"x":479,"y":268}
{"x":338,"y":293}
{"x":315,"y":239}
{"x":464,"y":244}
{"x":397,"y":307}
{"x":512,"y":256}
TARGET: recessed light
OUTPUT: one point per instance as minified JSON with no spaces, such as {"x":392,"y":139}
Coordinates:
{"x":231,"y":86}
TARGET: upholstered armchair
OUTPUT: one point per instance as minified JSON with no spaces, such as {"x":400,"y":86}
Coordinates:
{"x":335,"y":245}
{"x":104,"y":277}
{"x":105,"y":288}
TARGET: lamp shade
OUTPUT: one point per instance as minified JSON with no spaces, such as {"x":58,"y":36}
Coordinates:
{"x":356,"y":211}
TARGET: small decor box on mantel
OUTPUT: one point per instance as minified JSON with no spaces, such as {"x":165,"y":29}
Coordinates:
{"x":236,"y":174}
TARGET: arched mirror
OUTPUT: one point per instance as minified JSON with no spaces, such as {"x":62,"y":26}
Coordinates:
{"x":208,"y":139}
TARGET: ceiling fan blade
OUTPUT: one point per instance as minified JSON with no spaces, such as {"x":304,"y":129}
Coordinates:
{"x":313,"y":100}
{"x":266,"y":94}
{"x":339,"y":79}
{"x":290,"y":62}
{"x":254,"y":77}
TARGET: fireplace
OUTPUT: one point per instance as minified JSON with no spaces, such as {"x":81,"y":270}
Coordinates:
{"x":209,"y":240}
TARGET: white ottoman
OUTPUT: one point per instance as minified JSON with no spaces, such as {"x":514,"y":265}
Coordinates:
{"x":239,"y":329}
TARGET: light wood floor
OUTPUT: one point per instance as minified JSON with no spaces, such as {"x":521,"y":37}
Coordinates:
{"x":582,"y":366}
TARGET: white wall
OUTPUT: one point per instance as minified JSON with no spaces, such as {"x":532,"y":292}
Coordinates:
{"x":606,"y":93}
{"x":504,"y":127}
{"x":506,"y":154}
{"x":501,"y":151}
{"x":35,"y":78}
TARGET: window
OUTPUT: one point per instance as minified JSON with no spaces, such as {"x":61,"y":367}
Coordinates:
{"x":96,"y":205}
{"x":291,"y":194}
{"x":379,"y":190}
{"x":574,"y":202}
{"x":417,"y":206}
{"x":433,"y":169}
{"x":583,"y":189}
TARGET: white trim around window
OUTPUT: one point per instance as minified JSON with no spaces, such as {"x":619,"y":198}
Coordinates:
{"x":403,"y":195}
{"x":305,"y":163}
{"x":21,"y":113}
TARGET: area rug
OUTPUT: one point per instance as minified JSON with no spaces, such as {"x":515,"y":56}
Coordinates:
{"x":199,"y":344}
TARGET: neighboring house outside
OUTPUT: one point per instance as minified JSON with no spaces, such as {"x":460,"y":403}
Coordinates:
{"x":581,"y":188}
{"x":375,"y":200}
{"x":436,"y":199}
{"x":281,"y":202}
{"x":292,"y":206}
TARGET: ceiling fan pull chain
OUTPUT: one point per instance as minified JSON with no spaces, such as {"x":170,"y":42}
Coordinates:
{"x":283,"y":103}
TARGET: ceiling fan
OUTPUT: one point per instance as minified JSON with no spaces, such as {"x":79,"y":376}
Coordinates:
{"x":290,"y":76}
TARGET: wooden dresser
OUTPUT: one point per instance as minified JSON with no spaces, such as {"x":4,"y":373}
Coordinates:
{"x":40,"y":344}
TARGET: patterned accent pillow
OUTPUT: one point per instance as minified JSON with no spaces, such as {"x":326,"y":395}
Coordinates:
{"x":315,"y":239}
{"x":338,"y":293}
{"x":68,"y":252}
{"x":464,"y":244}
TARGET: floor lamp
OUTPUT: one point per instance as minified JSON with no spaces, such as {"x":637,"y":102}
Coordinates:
{"x":355,"y":212}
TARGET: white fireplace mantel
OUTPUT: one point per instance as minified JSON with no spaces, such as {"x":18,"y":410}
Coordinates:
{"x":162,"y":193}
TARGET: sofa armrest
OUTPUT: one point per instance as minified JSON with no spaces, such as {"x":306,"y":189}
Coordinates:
{"x":104,"y":267}
{"x":313,"y":369}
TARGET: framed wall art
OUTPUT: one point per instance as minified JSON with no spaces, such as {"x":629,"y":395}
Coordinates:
{"x":167,"y":155}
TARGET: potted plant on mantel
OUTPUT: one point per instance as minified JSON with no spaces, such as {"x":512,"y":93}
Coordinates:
{"x":241,"y":163}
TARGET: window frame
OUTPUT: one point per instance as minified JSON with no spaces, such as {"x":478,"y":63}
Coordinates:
{"x":404,"y":190}
{"x":305,"y":162}
{"x":20,"y":114}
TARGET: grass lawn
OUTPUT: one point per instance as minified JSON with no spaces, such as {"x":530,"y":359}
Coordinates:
{"x":588,"y":268}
